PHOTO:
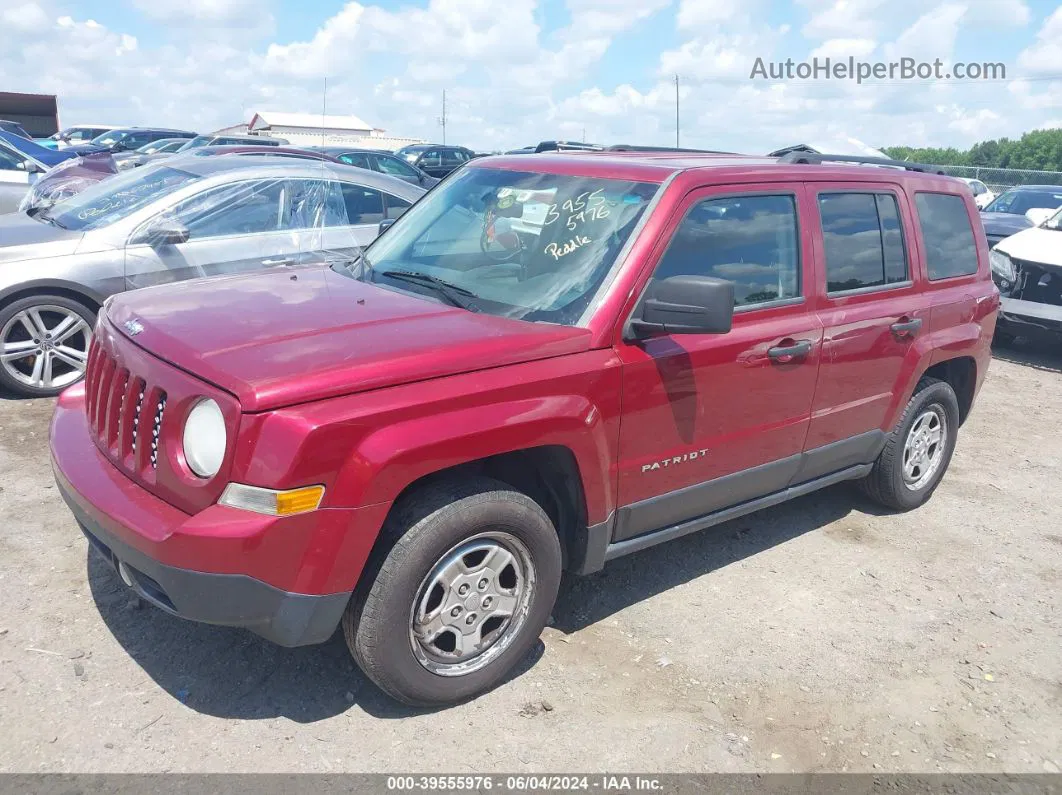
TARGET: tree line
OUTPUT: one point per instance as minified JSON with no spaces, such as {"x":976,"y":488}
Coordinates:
{"x":1040,"y":150}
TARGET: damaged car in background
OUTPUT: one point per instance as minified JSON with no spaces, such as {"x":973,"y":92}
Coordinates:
{"x":1027,"y":268}
{"x":163,"y":223}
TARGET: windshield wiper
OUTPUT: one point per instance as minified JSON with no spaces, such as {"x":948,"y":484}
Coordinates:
{"x":450,"y":292}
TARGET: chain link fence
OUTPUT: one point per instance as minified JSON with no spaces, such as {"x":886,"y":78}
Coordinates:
{"x":999,"y":179}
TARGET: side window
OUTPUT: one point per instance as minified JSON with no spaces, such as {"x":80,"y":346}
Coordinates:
{"x":312,"y":204}
{"x":452,"y":158}
{"x":9,"y":161}
{"x":431,"y":159}
{"x":395,"y":206}
{"x":364,"y":205}
{"x":239,"y":209}
{"x":748,"y":240}
{"x":863,"y":241}
{"x":394,"y":166}
{"x":948,"y":235}
{"x":355,"y":159}
{"x":136,"y":140}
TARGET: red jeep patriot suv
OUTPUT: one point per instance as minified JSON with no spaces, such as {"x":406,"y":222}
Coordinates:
{"x":545,"y":364}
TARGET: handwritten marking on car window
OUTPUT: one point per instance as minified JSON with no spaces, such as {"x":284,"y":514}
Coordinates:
{"x":564,"y":249}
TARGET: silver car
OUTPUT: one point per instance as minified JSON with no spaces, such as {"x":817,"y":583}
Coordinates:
{"x":184,"y":218}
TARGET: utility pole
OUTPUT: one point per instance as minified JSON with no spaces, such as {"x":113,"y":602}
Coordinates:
{"x":583,"y":139}
{"x":324,"y":109}
{"x":676,"y":111}
{"x":442,"y":119}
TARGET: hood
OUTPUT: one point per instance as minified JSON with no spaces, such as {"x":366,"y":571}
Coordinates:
{"x":1039,"y":245}
{"x":22,"y":238}
{"x":296,"y":335}
{"x":997,"y":224}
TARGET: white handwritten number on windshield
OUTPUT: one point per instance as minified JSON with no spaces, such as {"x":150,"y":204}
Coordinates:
{"x":586,"y":207}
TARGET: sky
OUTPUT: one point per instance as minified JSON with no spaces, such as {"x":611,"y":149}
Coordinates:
{"x":519,"y":71}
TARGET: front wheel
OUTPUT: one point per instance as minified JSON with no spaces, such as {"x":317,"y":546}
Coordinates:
{"x":918,"y":450}
{"x":44,"y":343}
{"x":460,"y":597}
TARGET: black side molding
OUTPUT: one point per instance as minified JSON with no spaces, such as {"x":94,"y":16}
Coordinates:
{"x":620,"y":548}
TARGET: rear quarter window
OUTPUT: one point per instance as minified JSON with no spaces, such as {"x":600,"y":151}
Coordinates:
{"x":949,"y":237}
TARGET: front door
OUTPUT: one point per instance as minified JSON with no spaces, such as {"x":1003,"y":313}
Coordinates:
{"x":232,"y":228}
{"x":713,"y":420}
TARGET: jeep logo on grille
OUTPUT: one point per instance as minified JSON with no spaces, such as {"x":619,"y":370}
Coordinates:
{"x":134,"y":327}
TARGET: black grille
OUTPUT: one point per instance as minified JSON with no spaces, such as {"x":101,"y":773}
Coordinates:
{"x":1038,"y":282}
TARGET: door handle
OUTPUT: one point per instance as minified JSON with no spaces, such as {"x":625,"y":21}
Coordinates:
{"x":279,"y":261}
{"x":907,"y":327}
{"x":784,"y":354}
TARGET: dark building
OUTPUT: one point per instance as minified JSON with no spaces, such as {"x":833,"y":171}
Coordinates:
{"x":37,"y":113}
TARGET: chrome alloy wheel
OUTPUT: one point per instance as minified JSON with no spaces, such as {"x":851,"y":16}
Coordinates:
{"x":472,"y":604}
{"x":923,"y":451}
{"x":45,"y":347}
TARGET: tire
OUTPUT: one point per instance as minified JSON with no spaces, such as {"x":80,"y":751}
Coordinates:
{"x":886,"y":484}
{"x":23,"y":324}
{"x":443,"y":522}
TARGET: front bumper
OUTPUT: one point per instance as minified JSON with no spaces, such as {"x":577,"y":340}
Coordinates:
{"x":151,"y":543}
{"x":1020,"y":317}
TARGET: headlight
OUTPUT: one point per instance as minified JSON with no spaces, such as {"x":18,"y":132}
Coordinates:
{"x":1002,"y":265}
{"x":205,"y":438}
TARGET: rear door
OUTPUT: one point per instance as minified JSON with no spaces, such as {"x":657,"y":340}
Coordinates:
{"x":874,"y":312}
{"x":713,"y":420}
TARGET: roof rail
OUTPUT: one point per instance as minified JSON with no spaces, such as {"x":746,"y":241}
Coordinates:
{"x":816,"y":158}
{"x":638,"y":148}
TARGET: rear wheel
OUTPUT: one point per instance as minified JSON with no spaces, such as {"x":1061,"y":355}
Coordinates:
{"x":44,"y":342}
{"x":460,"y":597}
{"x":918,"y":451}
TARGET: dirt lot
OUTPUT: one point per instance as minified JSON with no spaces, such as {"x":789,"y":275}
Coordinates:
{"x":816,"y":636}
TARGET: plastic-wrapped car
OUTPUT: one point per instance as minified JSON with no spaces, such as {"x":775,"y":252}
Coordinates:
{"x":170,"y":222}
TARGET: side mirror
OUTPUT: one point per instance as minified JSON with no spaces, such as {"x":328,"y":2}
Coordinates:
{"x":684,"y":305}
{"x":162,"y":232}
{"x":385,"y":224}
{"x":29,"y":167}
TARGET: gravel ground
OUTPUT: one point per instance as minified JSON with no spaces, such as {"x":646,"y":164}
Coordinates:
{"x":820,"y":635}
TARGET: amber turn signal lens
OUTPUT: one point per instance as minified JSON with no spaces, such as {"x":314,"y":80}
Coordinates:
{"x":271,"y":501}
{"x":299,"y":500}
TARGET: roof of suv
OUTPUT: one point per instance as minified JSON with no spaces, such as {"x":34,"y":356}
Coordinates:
{"x":657,"y":166}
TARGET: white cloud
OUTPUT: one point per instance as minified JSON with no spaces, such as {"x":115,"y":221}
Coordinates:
{"x":197,"y":13}
{"x":510,"y":82}
{"x":844,"y":48}
{"x":1045,"y":55}
{"x":23,"y":19}
{"x":843,"y":18}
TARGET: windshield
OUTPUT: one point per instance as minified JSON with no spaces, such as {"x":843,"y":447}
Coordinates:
{"x":117,"y":197}
{"x":520,"y":244}
{"x":108,"y":138}
{"x":1019,"y":202}
{"x":195,"y":143}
